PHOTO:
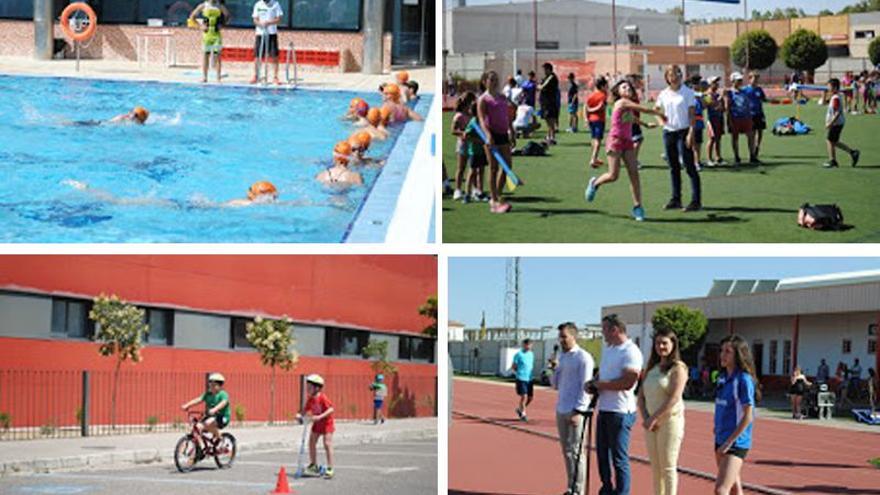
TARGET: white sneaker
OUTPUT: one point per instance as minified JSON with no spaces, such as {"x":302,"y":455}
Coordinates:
{"x":456,"y":195}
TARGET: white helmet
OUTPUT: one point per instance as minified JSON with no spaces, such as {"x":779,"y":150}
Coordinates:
{"x":216,"y":377}
{"x":315,"y":379}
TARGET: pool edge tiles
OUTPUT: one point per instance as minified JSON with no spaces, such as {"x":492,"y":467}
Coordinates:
{"x":399,"y":208}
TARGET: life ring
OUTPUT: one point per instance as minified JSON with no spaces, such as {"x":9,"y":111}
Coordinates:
{"x":90,"y":30}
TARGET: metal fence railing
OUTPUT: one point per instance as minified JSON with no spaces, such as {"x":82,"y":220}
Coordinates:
{"x":63,"y":403}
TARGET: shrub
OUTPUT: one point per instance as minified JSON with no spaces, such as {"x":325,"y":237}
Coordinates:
{"x":762,"y":50}
{"x":804,"y":50}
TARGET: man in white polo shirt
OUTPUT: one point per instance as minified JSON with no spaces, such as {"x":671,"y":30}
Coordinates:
{"x":619,"y":372}
{"x":571,"y":372}
{"x":267,"y":15}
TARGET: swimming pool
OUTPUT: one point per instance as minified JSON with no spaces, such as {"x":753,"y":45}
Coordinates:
{"x":202,"y":146}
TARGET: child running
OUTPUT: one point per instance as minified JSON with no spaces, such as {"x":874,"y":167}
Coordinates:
{"x":493,"y":111}
{"x":459,"y":123}
{"x":380,"y":391}
{"x":214,"y":15}
{"x":834,"y":121}
{"x":319,"y":410}
{"x":621,"y":147}
{"x":594,"y":114}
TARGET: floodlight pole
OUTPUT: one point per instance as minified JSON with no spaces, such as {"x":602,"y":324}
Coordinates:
{"x":535,"y":33}
{"x":746,"y":16}
{"x":614,"y":33}
{"x":684,"y":42}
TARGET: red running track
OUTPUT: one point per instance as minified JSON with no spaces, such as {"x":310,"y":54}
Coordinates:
{"x":794,"y":457}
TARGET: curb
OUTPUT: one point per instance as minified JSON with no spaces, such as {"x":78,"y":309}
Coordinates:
{"x":149,"y":456}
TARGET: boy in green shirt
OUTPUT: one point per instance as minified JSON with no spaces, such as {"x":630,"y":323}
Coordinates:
{"x":379,"y":392}
{"x":216,"y":406}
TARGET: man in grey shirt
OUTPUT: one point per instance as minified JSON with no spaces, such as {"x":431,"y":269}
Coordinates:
{"x":571,"y":371}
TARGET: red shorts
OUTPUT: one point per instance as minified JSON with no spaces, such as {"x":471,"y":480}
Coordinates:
{"x":618,"y":144}
{"x":326,"y":425}
{"x":741,"y":126}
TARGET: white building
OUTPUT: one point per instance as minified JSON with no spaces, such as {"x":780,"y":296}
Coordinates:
{"x":455,"y":331}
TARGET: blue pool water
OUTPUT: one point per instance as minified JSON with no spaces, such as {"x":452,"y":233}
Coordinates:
{"x":203,"y":145}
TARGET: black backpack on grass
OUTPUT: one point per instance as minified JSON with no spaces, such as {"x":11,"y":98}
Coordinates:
{"x":820,"y":217}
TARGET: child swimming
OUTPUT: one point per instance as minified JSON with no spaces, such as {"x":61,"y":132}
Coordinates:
{"x":138,"y":116}
{"x":399,"y":113}
{"x":261,"y":192}
{"x":339,"y":174}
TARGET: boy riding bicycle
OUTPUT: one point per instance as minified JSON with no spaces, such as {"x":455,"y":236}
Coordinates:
{"x":216,"y":407}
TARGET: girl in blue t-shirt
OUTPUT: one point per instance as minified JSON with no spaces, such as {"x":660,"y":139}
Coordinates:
{"x":735,"y":396}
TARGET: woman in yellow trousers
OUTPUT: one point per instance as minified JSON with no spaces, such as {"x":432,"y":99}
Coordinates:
{"x":662,"y":409}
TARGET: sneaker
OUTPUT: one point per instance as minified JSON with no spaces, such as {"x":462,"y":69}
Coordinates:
{"x":830,"y":164}
{"x":638,"y":165}
{"x":672,"y":205}
{"x":692,"y":206}
{"x":855,"y":157}
{"x":721,"y":162}
{"x":500,"y":208}
{"x":328,"y":473}
{"x":525,"y":418}
{"x":481,"y":197}
{"x":465,"y":199}
{"x":737,"y":162}
{"x":456,"y":195}
{"x":638,"y":213}
{"x":519,"y":413}
{"x":313,"y":470}
{"x":590,"y":193}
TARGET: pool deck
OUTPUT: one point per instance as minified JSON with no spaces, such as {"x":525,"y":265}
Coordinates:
{"x":234,"y":73}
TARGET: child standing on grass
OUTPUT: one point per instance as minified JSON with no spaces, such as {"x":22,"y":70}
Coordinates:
{"x":834,"y":122}
{"x":757,"y":98}
{"x":594,"y":114}
{"x":493,"y":112}
{"x":715,"y":112}
{"x":573,"y":103}
{"x":476,"y":159}
{"x":699,"y":86}
{"x":459,"y":122}
{"x":739,"y":117}
{"x":380,"y":391}
{"x":319,"y":410}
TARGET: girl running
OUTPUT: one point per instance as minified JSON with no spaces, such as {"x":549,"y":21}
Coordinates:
{"x":493,"y":112}
{"x":620,"y":147}
{"x":735,"y":396}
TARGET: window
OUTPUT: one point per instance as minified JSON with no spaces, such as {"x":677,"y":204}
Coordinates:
{"x":344,"y":342}
{"x":238,"y":327}
{"x":416,"y":349}
{"x":17,"y":9}
{"x":865,"y":35}
{"x":847,"y":346}
{"x":872,"y":330}
{"x":774,"y":354}
{"x":701,"y":42}
{"x":161,"y":323}
{"x":333,"y":15}
{"x":118,"y":12}
{"x":872,"y":346}
{"x":70,"y":318}
{"x":786,"y":357}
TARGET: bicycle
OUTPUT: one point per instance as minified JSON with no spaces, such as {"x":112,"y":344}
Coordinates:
{"x":188,"y":452}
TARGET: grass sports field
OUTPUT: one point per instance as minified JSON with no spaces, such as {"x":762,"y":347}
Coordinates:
{"x":745,"y":204}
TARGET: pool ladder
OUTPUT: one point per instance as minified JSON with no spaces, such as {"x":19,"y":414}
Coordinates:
{"x":291,"y":59}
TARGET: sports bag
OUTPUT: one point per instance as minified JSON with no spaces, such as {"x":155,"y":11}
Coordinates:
{"x":820,"y":217}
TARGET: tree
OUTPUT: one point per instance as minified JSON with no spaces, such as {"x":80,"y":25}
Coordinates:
{"x":825,"y":12}
{"x":429,"y":310}
{"x":378,"y":350}
{"x":677,"y":12}
{"x":874,"y":51}
{"x":274,"y":340}
{"x":120,"y":328}
{"x":689,"y":325}
{"x":762,"y":50}
{"x":804,"y":50}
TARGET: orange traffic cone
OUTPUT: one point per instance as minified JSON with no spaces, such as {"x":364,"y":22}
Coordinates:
{"x":281,"y":486}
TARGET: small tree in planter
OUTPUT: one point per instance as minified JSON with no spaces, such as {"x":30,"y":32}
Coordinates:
{"x":804,"y":50}
{"x":757,"y":46}
{"x":274,"y":340}
{"x":429,"y":310}
{"x":378,"y":351}
{"x":874,"y":51}
{"x":120,"y":330}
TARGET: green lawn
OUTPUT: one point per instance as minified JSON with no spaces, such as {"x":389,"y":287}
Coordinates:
{"x":745,"y":204}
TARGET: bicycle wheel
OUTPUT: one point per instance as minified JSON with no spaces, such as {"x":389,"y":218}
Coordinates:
{"x":224,"y":453}
{"x":185,"y":454}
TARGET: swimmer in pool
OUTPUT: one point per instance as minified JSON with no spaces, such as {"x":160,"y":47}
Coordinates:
{"x":138,"y":116}
{"x":410,"y":92}
{"x":399,"y":113}
{"x":374,"y":124}
{"x":357,"y":109}
{"x":261,"y":192}
{"x":360,"y":143}
{"x":339,"y":174}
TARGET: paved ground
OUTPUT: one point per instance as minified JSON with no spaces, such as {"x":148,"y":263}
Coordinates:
{"x":396,"y":467}
{"x":235,"y":73}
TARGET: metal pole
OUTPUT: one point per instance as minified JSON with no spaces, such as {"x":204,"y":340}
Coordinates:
{"x":84,"y":406}
{"x":43,"y":29}
{"x":422,"y":35}
{"x":614,"y":32}
{"x":374,"y":17}
{"x":77,"y":55}
{"x":302,"y":392}
{"x":684,"y":48}
{"x":535,"y":32}
{"x":746,"y":16}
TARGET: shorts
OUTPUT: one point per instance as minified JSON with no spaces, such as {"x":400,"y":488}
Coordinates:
{"x":221,"y":420}
{"x":326,"y":425}
{"x":500,"y":139}
{"x":573,"y":108}
{"x":698,"y":136}
{"x":834,"y":133}
{"x":717,"y":124}
{"x":525,"y":388}
{"x":638,"y":136}
{"x":735,"y":451}
{"x":477,"y":161}
{"x":272,"y":46}
{"x":212,"y":43}
{"x":741,"y":125}
{"x":550,"y":112}
{"x":597,"y":129}
{"x":759,"y":122}
{"x":461,"y":148}
{"x":619,"y":144}
{"x":377,"y":403}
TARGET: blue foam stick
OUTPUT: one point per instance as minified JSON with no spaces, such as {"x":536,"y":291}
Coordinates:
{"x":498,"y":156}
{"x":813,"y":87}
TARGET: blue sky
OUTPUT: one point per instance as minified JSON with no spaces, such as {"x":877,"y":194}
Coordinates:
{"x":560,"y":289}
{"x":704,"y":9}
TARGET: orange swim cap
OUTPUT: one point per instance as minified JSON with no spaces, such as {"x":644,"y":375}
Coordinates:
{"x":362,"y":108}
{"x":374,"y":117}
{"x":262,"y":188}
{"x":385,"y":114}
{"x":341,"y":152}
{"x":393,"y":91}
{"x":355,"y":101}
{"x":141,"y":114}
{"x":362,"y":139}
{"x":402,"y":76}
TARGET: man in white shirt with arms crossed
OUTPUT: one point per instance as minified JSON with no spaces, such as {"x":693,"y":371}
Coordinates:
{"x":571,"y":372}
{"x":267,"y":15}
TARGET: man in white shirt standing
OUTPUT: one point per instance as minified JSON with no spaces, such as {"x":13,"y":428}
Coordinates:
{"x":618,"y":374}
{"x":571,"y":372}
{"x":267,"y":15}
